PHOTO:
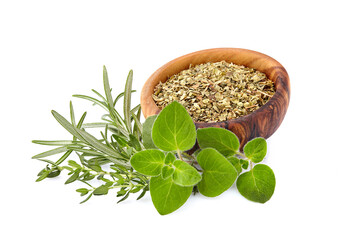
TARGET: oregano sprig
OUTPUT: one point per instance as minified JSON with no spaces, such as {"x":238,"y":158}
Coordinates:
{"x":258,"y":183}
{"x":218,"y":163}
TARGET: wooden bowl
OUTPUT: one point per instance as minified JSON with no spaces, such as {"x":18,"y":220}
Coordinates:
{"x":261,"y":123}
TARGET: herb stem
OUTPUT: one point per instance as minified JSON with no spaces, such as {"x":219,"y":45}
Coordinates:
{"x":241,"y":154}
{"x":126,"y":186}
{"x":189,"y":156}
{"x":179,"y":155}
{"x":86,"y":183}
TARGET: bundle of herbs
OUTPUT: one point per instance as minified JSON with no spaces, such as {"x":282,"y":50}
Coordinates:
{"x":136,"y":158}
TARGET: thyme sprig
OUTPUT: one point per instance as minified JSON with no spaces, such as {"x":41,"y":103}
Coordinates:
{"x":105,"y":159}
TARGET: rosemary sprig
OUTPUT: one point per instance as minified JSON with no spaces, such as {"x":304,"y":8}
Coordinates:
{"x":106,"y":158}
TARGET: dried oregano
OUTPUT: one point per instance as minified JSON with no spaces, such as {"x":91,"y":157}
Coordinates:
{"x":213,"y":92}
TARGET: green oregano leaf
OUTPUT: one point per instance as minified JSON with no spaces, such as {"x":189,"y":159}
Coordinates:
{"x":226,"y":142}
{"x":148,"y":162}
{"x":167,"y":171}
{"x":185,"y":175}
{"x":236,"y":163}
{"x":258,"y":184}
{"x":170,"y":158}
{"x":174,"y":129}
{"x":147,"y":131}
{"x":244,"y":163}
{"x":218,"y":175}
{"x":166,"y":195}
{"x":256,"y":149}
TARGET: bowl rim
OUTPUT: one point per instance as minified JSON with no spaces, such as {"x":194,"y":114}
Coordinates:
{"x":278,"y":75}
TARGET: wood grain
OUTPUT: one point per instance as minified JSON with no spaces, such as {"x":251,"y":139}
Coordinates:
{"x":260,"y":123}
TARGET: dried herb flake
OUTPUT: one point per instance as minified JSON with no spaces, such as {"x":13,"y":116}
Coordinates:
{"x":213,"y":92}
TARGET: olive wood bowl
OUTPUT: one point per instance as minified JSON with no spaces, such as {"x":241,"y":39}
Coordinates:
{"x":263,"y":122}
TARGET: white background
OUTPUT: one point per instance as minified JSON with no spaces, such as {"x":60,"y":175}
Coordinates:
{"x":50,"y":50}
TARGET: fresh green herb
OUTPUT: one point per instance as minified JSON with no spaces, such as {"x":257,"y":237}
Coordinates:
{"x":258,"y":184}
{"x":213,"y":170}
{"x":256,"y":149}
{"x":219,"y":174}
{"x":167,"y":196}
{"x":106,"y":158}
{"x":133,"y":157}
{"x":184,"y":174}
{"x":148,"y":162}
{"x":174,"y":129}
{"x":220,"y":139}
